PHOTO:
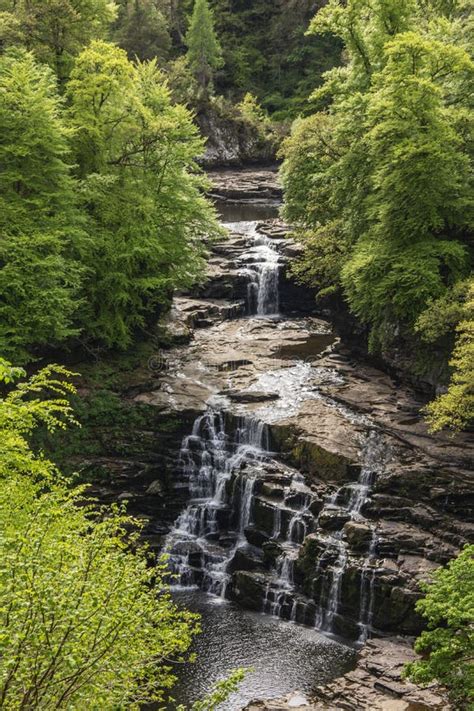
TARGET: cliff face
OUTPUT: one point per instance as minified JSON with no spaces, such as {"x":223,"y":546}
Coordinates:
{"x":233,"y":141}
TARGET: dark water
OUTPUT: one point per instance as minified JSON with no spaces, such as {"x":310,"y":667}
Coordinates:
{"x":285,"y":657}
{"x":247,"y":212}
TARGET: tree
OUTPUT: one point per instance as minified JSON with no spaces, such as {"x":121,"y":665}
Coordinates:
{"x":378,"y":181}
{"x":140,"y":185}
{"x":455,"y":408}
{"x":57,"y":30}
{"x":447,"y":645}
{"x":86,"y":621}
{"x":142,"y":29}
{"x":40,"y":225}
{"x":204,"y":51}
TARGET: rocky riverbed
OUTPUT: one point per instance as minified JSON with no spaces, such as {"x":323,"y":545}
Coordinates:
{"x":376,"y":684}
{"x":276,"y":468}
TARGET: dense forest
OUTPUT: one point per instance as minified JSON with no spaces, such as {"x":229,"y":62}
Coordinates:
{"x":104,"y":216}
{"x":379,"y":183}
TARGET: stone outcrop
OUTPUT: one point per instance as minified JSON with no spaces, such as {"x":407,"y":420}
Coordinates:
{"x":246,"y":187}
{"x":233,"y":141}
{"x":318,"y":405}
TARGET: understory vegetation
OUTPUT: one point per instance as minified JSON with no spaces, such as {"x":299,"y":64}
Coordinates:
{"x":447,"y":644}
{"x":379,"y":183}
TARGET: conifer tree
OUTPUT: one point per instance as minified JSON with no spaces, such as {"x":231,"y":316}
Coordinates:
{"x":204,"y":51}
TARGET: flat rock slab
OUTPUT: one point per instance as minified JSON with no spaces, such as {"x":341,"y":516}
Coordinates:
{"x":243,"y":185}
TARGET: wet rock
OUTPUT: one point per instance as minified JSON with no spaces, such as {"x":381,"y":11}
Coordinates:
{"x":255,"y":537}
{"x":377,"y":683}
{"x":264,"y":515}
{"x":333,"y":519}
{"x":155,"y":488}
{"x":292,"y":702}
{"x":250,"y":184}
{"x":272,"y":490}
{"x":329,"y":455}
{"x":250,"y":396}
{"x":248,"y":588}
{"x":316,"y":506}
{"x":246,"y":558}
{"x":358,"y":535}
{"x":272,"y":551}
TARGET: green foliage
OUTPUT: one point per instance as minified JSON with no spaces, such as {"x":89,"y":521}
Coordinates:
{"x":268,"y":54}
{"x":220,"y":693}
{"x":57,"y":30}
{"x":378,"y":181}
{"x":447,"y":645}
{"x":142,"y":29}
{"x":455,"y":409}
{"x":442,"y":315}
{"x":39,"y":220}
{"x":204,"y":51}
{"x":388,"y":284}
{"x":147,"y":215}
{"x":94,"y":251}
{"x":255,"y":115}
{"x":86,"y":622}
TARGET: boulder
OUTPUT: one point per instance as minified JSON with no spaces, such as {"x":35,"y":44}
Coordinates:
{"x":155,"y":488}
{"x":248,"y":588}
{"x":358,"y":535}
{"x":246,"y":558}
{"x":333,"y":519}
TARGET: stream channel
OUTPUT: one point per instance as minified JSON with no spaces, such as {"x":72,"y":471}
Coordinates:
{"x":221,"y":463}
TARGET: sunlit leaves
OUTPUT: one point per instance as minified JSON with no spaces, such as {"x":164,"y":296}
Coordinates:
{"x":85,"y":621}
{"x":447,"y":644}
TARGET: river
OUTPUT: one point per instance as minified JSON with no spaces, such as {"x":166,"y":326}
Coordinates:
{"x":293,"y":534}
{"x":283,"y":657}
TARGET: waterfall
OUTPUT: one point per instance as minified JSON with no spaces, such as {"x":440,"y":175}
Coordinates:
{"x":260,"y":264}
{"x":374,"y":456}
{"x":225,"y":470}
{"x":209,"y":459}
{"x":367,"y":596}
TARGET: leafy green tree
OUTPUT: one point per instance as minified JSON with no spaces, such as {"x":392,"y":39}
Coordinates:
{"x":447,"y":645}
{"x":39,"y":222}
{"x":57,"y":30}
{"x":147,"y":215}
{"x":455,"y":408}
{"x":142,"y":29}
{"x":204,"y":51}
{"x":86,"y":622}
{"x":378,"y":182}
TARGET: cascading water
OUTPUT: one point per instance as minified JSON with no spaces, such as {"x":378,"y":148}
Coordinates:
{"x":261,"y":265}
{"x":210,"y":459}
{"x":374,"y":457}
{"x":222,"y":468}
{"x":367,"y":596}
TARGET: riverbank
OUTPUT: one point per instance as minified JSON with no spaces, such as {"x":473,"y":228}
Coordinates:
{"x":376,"y":684}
